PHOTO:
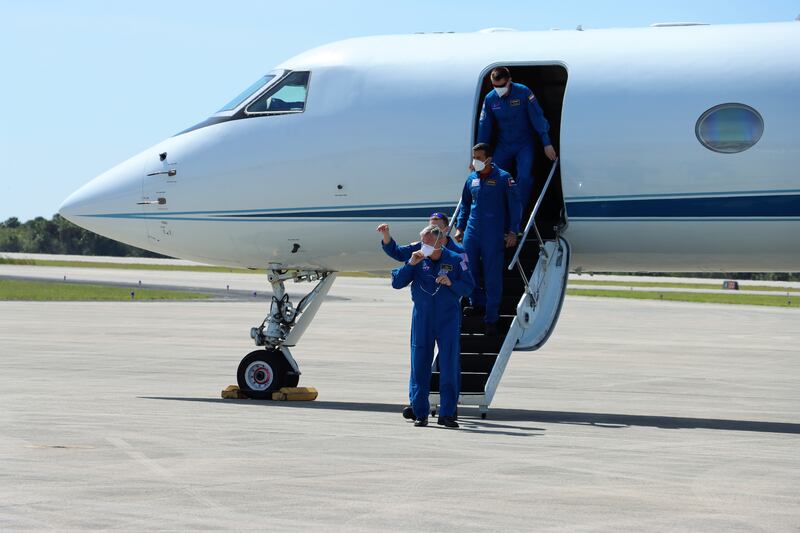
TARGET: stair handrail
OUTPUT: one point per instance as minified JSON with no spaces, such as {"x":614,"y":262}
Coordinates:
{"x":532,"y":220}
{"x":453,"y":218}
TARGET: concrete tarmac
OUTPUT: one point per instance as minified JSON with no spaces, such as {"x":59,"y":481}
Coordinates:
{"x":638,"y":415}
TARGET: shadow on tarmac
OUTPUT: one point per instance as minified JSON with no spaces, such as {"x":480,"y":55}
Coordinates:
{"x":470,"y":418}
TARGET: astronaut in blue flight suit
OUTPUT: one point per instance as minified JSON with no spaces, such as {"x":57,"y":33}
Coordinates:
{"x":488,"y":220}
{"x":439,"y":278}
{"x":511,"y":114}
{"x":403,"y":253}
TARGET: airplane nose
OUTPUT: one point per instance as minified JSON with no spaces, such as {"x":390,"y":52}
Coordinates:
{"x":107,"y":205}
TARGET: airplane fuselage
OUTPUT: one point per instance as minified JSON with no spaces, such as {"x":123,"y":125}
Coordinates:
{"x":386,"y":132}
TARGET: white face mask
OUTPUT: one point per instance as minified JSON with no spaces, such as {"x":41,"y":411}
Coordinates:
{"x":501,"y":91}
{"x":480,"y":166}
{"x":427,"y":249}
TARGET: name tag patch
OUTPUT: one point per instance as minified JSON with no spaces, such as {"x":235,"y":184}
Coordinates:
{"x":491,"y":182}
{"x":515,"y":102}
{"x":445,"y":269}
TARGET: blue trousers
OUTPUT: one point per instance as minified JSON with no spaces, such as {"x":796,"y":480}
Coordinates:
{"x":486,"y":257}
{"x":442,"y":327}
{"x":522,"y":155}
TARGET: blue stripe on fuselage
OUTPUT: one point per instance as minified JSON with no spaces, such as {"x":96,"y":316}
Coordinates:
{"x":787,"y":205}
{"x":761,"y":206}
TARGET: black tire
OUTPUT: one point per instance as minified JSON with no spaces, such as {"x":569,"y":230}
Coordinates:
{"x":483,"y":416}
{"x":292,"y":379}
{"x":261,"y":373}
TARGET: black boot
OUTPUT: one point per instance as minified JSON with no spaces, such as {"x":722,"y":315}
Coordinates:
{"x":421,"y":422}
{"x":447,"y":421}
{"x":408,"y":413}
{"x":475,"y":311}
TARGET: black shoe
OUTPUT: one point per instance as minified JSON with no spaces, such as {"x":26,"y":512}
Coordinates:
{"x":475,"y":311}
{"x":421,"y":422}
{"x":490,"y":329}
{"x":447,"y":421}
{"x":408,"y":413}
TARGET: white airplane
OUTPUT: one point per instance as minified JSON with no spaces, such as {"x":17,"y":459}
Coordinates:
{"x":678,"y":148}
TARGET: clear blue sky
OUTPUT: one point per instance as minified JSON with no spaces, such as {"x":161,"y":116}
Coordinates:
{"x":86,"y":84}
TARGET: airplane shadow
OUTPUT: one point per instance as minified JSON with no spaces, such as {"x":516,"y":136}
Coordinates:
{"x":470,"y":417}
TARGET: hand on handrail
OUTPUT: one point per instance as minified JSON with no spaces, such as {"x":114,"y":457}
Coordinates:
{"x":511,"y":239}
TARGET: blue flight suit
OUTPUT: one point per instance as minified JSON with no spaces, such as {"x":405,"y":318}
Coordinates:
{"x":513,"y":118}
{"x":436,"y":318}
{"x":403,"y":253}
{"x":490,"y":208}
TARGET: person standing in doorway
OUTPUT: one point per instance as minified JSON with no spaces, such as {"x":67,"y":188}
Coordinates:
{"x":509,"y":117}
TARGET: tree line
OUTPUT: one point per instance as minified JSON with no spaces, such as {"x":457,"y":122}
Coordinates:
{"x":60,"y":236}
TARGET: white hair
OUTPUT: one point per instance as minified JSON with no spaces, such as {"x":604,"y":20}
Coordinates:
{"x":432,"y":229}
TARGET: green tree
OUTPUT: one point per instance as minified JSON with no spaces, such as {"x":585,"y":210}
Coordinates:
{"x":11,"y":223}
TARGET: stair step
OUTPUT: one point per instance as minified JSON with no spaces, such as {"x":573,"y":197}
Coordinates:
{"x":471,"y":382}
{"x":475,"y":324}
{"x":477,"y":362}
{"x":482,"y":343}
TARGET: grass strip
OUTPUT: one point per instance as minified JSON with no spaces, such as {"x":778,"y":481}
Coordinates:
{"x":18,"y":290}
{"x":674,"y":285}
{"x":147,"y":266}
{"x":698,"y":297}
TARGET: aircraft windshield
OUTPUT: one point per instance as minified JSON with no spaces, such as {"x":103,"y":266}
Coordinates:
{"x":244,"y":95}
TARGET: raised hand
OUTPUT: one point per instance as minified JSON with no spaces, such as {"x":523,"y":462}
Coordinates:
{"x":416,"y":257}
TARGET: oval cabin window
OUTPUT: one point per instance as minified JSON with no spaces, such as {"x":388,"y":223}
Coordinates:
{"x":729,"y":128}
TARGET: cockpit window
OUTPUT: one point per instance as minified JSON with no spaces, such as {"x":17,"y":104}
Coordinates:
{"x":287,"y":96}
{"x":244,"y":95}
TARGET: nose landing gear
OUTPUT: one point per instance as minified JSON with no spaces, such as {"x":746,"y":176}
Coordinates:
{"x":263,"y":372}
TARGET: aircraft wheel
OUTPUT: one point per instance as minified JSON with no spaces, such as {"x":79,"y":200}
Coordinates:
{"x":483,"y":416}
{"x":261,"y":373}
{"x":292,"y":379}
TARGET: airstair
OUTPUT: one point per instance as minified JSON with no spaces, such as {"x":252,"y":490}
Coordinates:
{"x":534,"y":284}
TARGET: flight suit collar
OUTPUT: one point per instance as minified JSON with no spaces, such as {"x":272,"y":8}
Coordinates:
{"x":488,"y":175}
